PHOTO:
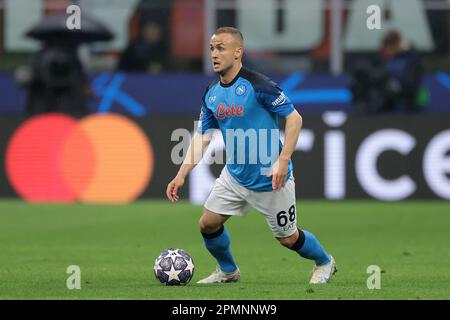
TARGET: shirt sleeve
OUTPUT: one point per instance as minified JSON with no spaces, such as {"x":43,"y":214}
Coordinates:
{"x":273,"y":98}
{"x":207,"y":120}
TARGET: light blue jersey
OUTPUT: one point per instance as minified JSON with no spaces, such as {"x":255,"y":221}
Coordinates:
{"x":247,"y":107}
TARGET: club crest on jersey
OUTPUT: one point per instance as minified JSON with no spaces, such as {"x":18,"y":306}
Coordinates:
{"x":227,"y":112}
{"x":212,"y":99}
{"x":241,"y":89}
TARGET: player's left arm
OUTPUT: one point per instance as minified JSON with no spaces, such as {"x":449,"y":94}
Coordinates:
{"x":280,"y":168}
{"x":273,"y":98}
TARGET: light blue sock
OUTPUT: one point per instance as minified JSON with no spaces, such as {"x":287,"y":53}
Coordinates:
{"x":313,"y":250}
{"x":218,"y":244}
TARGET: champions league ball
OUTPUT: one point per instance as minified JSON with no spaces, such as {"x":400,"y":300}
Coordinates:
{"x":174,"y":267}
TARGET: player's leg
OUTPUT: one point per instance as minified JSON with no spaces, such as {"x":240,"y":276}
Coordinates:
{"x":307,"y":246}
{"x":217,"y":239}
{"x":280,"y":211}
{"x":224,"y":201}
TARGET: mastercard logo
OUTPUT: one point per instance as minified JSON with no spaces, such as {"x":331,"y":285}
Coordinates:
{"x":98,"y":159}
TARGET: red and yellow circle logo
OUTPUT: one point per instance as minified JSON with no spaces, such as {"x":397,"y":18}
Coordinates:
{"x":98,"y":159}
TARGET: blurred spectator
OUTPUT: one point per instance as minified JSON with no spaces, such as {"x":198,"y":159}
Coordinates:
{"x":148,"y":53}
{"x":56,"y":81}
{"x":404,"y":68}
{"x":391,"y":84}
{"x":368,"y":87}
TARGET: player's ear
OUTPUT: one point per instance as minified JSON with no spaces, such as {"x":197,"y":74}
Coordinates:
{"x":238,"y":53}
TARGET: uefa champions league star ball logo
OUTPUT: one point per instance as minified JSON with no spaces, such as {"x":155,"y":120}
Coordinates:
{"x":240,"y":90}
{"x":174,"y":267}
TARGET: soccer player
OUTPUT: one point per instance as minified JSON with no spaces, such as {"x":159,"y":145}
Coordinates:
{"x":241,"y":101}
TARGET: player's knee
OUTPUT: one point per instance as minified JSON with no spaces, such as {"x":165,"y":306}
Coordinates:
{"x":207,"y":226}
{"x":203,"y":225}
{"x":286,"y":242}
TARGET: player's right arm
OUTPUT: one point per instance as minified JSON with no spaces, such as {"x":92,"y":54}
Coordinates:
{"x":195,"y":152}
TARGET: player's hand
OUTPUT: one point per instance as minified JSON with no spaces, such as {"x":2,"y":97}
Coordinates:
{"x":278,"y":173}
{"x":173,"y":187}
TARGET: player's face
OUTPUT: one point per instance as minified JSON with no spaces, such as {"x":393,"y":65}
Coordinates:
{"x":225,"y":52}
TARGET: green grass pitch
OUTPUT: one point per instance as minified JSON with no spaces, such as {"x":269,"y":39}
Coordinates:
{"x":115,"y":247}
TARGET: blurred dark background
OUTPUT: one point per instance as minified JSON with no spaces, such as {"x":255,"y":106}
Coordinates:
{"x":376,"y":102}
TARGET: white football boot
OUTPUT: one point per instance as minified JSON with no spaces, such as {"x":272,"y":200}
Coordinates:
{"x":323,"y":274}
{"x":218,"y":276}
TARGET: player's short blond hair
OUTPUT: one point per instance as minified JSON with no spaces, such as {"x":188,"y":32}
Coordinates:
{"x":230,"y":30}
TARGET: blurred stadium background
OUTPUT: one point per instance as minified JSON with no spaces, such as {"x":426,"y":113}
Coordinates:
{"x":93,"y":123}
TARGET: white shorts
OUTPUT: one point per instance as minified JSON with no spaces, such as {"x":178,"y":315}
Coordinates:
{"x":228,"y":197}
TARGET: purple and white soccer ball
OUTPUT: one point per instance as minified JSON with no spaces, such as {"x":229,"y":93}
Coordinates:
{"x":174,"y":267}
